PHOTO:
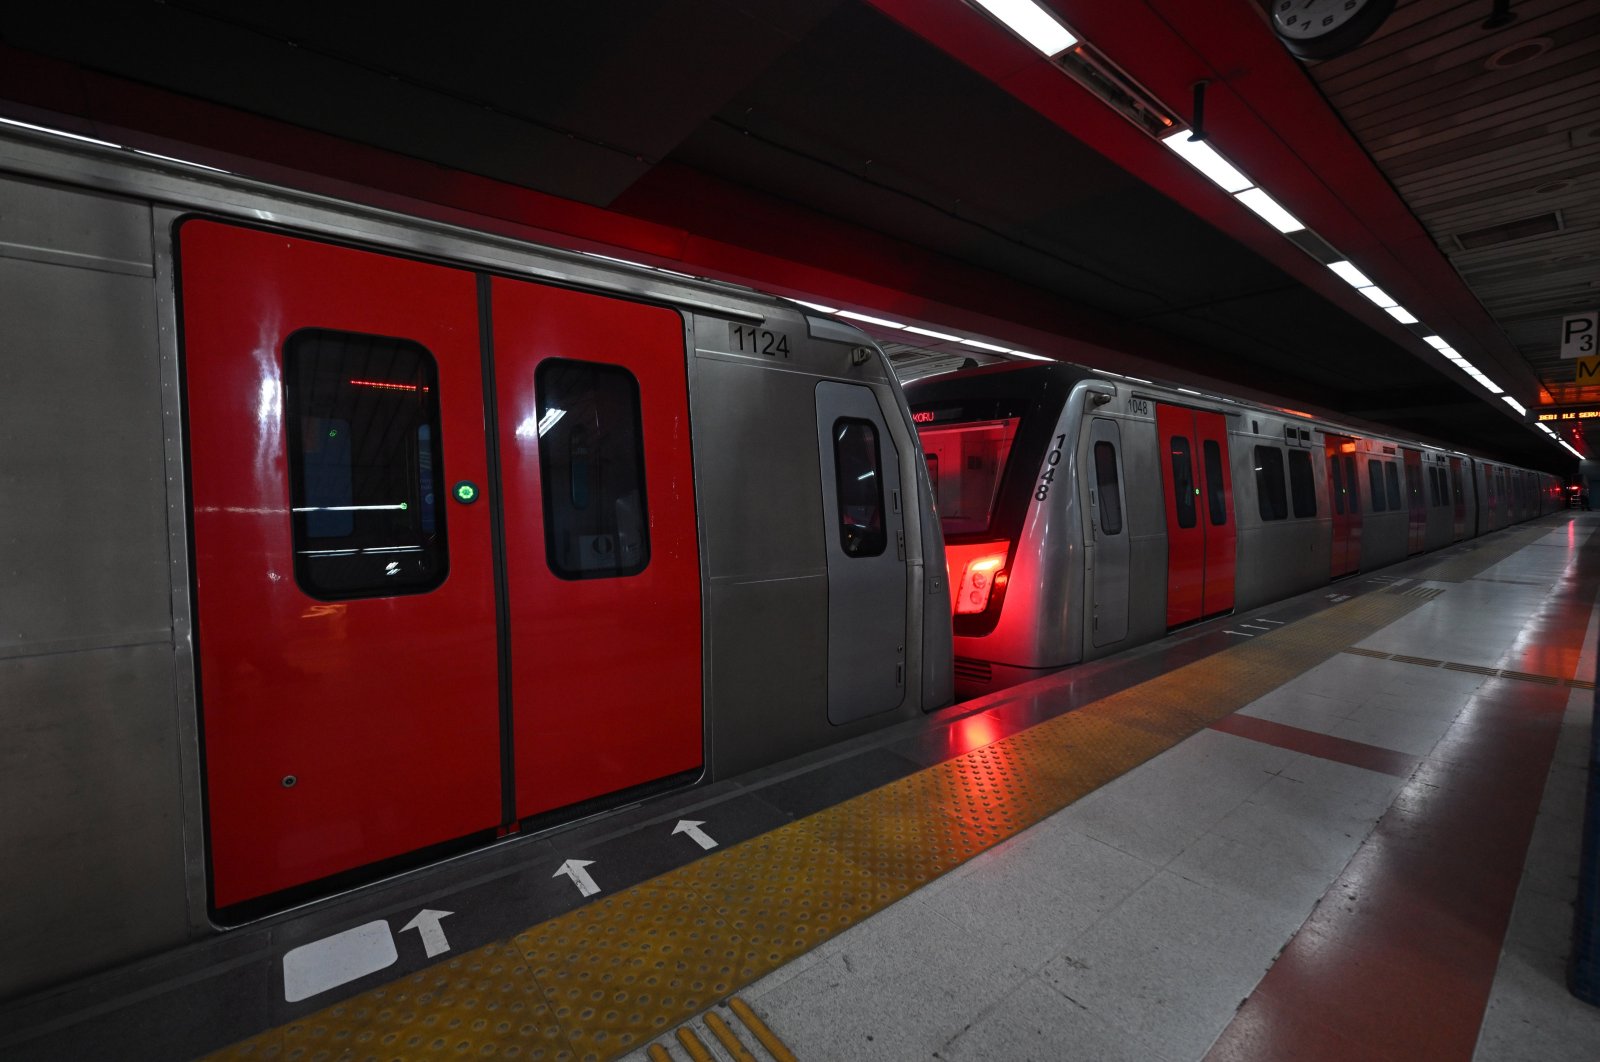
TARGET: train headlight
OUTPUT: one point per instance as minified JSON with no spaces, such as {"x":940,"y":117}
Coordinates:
{"x":978,"y":580}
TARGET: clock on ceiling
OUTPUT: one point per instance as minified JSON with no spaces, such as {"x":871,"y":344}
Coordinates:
{"x":1322,"y":29}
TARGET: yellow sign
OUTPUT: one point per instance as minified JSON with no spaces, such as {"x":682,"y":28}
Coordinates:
{"x":1589,"y":370}
{"x":1572,"y":414}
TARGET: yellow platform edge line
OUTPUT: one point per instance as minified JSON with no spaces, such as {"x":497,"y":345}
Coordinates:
{"x":612,"y":975}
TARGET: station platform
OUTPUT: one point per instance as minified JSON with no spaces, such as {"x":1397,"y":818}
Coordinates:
{"x":1343,"y":826}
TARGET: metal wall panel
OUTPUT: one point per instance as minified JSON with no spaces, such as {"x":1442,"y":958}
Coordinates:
{"x":93,"y":872}
{"x":80,"y":428}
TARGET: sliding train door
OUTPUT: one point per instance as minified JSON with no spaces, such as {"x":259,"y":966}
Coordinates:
{"x":345,"y":584}
{"x":1417,"y":502}
{"x":602,"y":562}
{"x":1109,"y":563}
{"x":412,"y":631}
{"x":865,"y":547}
{"x":1345,"y":489}
{"x":1199,"y":505}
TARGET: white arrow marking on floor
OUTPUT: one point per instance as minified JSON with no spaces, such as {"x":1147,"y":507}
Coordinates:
{"x":1261,"y":620}
{"x":1240,"y":634}
{"x":426,"y":923}
{"x":1253,"y":627}
{"x":696,"y":834}
{"x":573,"y":868}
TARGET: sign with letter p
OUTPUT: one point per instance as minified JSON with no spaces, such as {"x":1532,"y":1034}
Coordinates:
{"x":1580,"y":335}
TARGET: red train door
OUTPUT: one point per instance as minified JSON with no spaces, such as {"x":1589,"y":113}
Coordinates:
{"x":1199,"y":507}
{"x":603,"y":563}
{"x":347,"y":644}
{"x":1345,"y":555}
{"x":1417,"y":528}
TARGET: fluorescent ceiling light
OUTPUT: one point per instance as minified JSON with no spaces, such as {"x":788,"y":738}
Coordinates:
{"x":1568,"y":445}
{"x":1200,"y":155}
{"x":1350,"y":274}
{"x":1436,"y":343}
{"x":817,"y":306}
{"x":1273,"y":214}
{"x":58,"y":132}
{"x":1401,"y":314}
{"x":986,"y":346}
{"x":1030,"y":357}
{"x":1451,"y":353}
{"x":931,"y":334}
{"x":1514,"y":404}
{"x":1492,"y":387}
{"x":870,"y":320}
{"x":1379,"y":296}
{"x":1032,"y":23}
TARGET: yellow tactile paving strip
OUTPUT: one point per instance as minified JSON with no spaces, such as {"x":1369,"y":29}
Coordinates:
{"x":617,"y":973}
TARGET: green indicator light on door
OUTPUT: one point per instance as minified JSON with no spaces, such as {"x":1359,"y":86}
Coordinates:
{"x":466,"y":493}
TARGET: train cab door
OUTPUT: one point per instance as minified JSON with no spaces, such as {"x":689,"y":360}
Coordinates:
{"x":1345,"y":555}
{"x":1417,"y":526}
{"x":602,"y":569}
{"x":344,"y":603}
{"x":1199,"y":508}
{"x":863,"y":510}
{"x":1108,"y":533}
{"x":1458,"y":499}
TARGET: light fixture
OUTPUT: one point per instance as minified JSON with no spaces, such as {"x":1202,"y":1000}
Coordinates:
{"x":1030,"y":357}
{"x":986,"y":346}
{"x":1032,"y":23}
{"x":1569,"y":446}
{"x":1514,"y":404}
{"x":1270,"y":210}
{"x":931,"y":334}
{"x":1203,"y":157}
{"x":1401,"y":314}
{"x":870,"y":320}
{"x":1379,"y":296}
{"x":1353,"y":276}
{"x":1436,"y":343}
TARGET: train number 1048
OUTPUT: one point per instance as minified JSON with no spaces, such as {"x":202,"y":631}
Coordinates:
{"x":746,"y":340}
{"x":1047,"y":474}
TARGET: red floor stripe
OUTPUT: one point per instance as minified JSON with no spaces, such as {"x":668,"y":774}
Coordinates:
{"x":1397,"y":960}
{"x":1355,"y":753}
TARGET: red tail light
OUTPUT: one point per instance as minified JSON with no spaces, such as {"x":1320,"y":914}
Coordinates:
{"x":978,"y":580}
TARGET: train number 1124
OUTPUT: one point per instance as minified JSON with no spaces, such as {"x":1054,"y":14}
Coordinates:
{"x":745,"y":340}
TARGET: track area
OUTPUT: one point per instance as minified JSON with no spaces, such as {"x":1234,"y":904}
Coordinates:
{"x":1131,"y":924}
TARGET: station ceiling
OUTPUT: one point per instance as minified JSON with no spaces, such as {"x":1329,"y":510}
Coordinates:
{"x":913,"y":160}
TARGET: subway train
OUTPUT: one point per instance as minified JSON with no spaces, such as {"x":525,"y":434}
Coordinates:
{"x":1086,"y":512}
{"x":340,"y":540}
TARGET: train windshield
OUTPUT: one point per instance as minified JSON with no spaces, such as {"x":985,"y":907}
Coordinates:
{"x":966,"y":461}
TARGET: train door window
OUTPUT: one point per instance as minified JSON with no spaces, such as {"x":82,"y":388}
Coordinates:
{"x":1336,"y":485}
{"x":1183,"y":490}
{"x":1107,"y":489}
{"x":1391,"y":479}
{"x":1354,"y":485}
{"x":1375,"y":474}
{"x":858,"y":475}
{"x":1302,"y":485}
{"x":966,"y":462}
{"x":591,"y":469}
{"x":1216,"y":495}
{"x":1270,"y":496}
{"x":365,"y":466}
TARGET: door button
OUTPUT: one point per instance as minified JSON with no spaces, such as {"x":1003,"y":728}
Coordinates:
{"x":466,"y":492}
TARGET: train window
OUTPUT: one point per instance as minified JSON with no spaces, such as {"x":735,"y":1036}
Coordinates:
{"x":1436,"y":480}
{"x":858,"y":478}
{"x":1107,"y":489}
{"x":1391,"y":479}
{"x":1216,"y":501}
{"x":591,"y":469}
{"x":1353,"y":484}
{"x":1183,"y":490}
{"x":1336,"y":485}
{"x":1375,"y":474}
{"x":1302,"y":485}
{"x":1270,"y":498}
{"x":965,"y":463}
{"x":365,"y":471}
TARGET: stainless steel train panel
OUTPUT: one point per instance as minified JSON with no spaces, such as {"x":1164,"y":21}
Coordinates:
{"x":80,"y":427}
{"x":865,"y":539}
{"x":1108,"y":532}
{"x":93,"y":831}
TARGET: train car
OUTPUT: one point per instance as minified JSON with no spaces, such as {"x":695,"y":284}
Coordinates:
{"x":342,"y":540}
{"x":1086,"y":512}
